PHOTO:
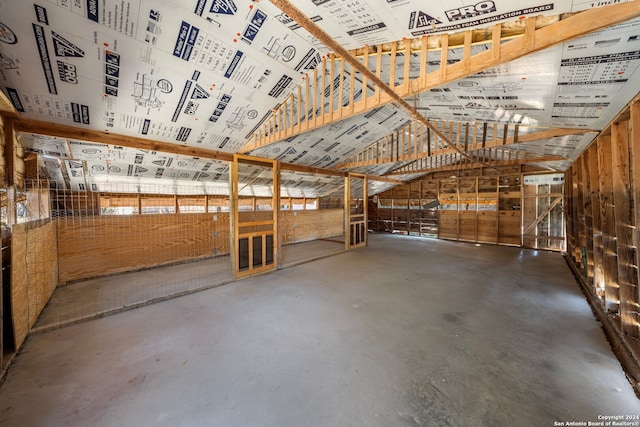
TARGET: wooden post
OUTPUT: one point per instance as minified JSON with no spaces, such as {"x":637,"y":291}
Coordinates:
{"x":588,"y":216}
{"x":622,"y":193}
{"x":233,"y":216}
{"x":275,"y":203}
{"x":612,"y":290}
{"x":598,"y":253}
{"x":347,"y":212}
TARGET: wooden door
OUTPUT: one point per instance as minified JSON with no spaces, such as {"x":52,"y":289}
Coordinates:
{"x":255,"y":225}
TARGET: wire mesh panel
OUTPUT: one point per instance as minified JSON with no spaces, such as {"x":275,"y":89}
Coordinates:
{"x":311,"y":217}
{"x":357,"y":210}
{"x":122,"y":249}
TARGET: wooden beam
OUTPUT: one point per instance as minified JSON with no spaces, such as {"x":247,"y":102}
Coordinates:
{"x":533,"y":40}
{"x":9,"y":150}
{"x":518,"y":138}
{"x":358,"y":160}
{"x":6,"y":107}
{"x":436,"y":164}
{"x":71,"y":132}
{"x":541,"y":217}
{"x":311,"y":169}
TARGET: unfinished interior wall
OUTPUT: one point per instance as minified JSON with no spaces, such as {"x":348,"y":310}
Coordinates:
{"x":603,"y":190}
{"x":34,"y":273}
{"x":102,"y":245}
{"x":311,"y":220}
{"x":307,"y":225}
{"x":476,"y":207}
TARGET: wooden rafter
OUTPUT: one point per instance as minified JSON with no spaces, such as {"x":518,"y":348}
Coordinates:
{"x":72,"y":132}
{"x":414,"y":141}
{"x":387,"y":88}
{"x":6,"y":107}
{"x":285,"y":124}
{"x":75,"y":133}
{"x":447,"y":162}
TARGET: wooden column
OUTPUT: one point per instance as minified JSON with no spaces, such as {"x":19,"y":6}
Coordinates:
{"x":598,"y":252}
{"x":622,"y":193}
{"x":233,"y":214}
{"x":347,"y":212}
{"x":588,"y":216}
{"x":277,"y":241}
{"x":607,"y":223}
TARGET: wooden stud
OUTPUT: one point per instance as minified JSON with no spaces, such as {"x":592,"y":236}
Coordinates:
{"x":598,"y":250}
{"x":496,"y":37}
{"x":323,"y":84}
{"x":444,"y":55}
{"x":610,"y":267}
{"x":407,"y":63}
{"x":378,"y":74}
{"x":622,"y":193}
{"x":392,"y":67}
{"x":315,"y":96}
{"x":466,"y":55}
{"x":365,"y":61}
{"x":634,"y":149}
{"x":423,"y":61}
{"x":332,"y":67}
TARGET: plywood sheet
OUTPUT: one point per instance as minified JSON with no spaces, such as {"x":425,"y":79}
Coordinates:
{"x":19,"y":285}
{"x":42,"y":267}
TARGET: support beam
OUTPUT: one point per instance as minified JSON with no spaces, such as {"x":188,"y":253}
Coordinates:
{"x":71,"y":132}
{"x":6,"y":107}
{"x":375,"y":155}
{"x":532,"y":40}
{"x":287,"y":7}
{"x":438,"y":164}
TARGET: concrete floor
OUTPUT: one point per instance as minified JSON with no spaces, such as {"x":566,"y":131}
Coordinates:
{"x":97,"y":297}
{"x":406,"y":332}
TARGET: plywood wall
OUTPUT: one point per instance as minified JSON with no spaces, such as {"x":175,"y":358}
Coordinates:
{"x":302,"y":226}
{"x":602,"y":188}
{"x":34,"y":273}
{"x":467,"y":208}
{"x":603,"y":195}
{"x":102,"y":245}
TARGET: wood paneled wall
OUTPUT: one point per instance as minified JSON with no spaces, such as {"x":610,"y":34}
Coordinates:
{"x":102,"y":245}
{"x":603,"y":215}
{"x":34,"y":273}
{"x":302,"y":226}
{"x":469,"y":208}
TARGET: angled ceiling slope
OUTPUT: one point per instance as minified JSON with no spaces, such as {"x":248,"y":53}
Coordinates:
{"x":208,"y":74}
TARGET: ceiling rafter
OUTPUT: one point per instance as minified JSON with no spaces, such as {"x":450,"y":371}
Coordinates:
{"x":292,"y":117}
{"x":451,"y":162}
{"x":388,"y":88}
{"x":75,"y":133}
{"x":414,"y":141}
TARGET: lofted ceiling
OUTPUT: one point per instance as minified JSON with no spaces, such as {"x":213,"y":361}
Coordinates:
{"x":241,"y":76}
